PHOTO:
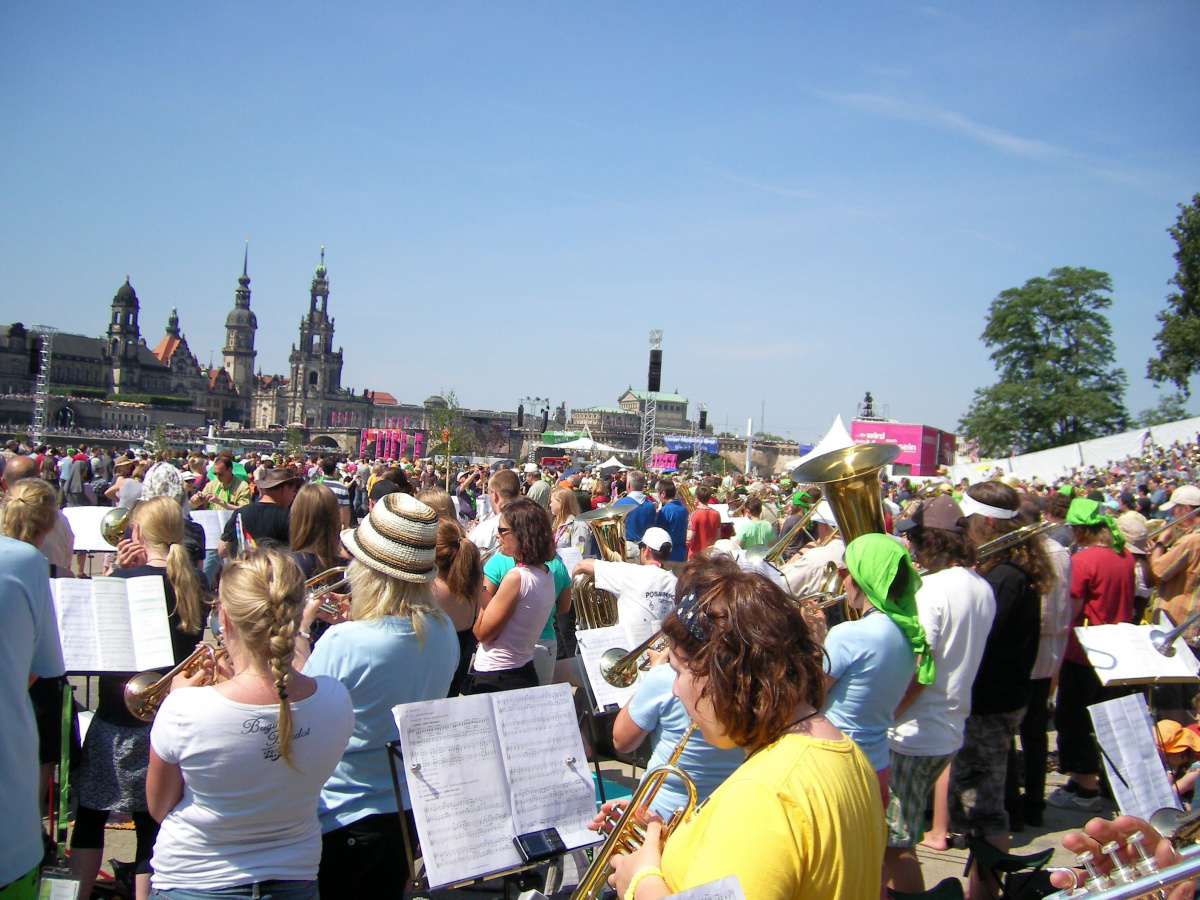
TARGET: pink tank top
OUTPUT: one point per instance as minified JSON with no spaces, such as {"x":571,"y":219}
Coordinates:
{"x":514,"y":646}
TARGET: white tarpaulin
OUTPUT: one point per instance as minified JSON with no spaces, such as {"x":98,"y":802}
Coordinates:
{"x":1100,"y":452}
{"x":612,"y":463}
{"x":838,"y":438}
{"x":588,"y":446}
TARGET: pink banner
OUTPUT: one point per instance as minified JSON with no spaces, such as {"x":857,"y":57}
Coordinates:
{"x":418,"y":439}
{"x":921,"y":446}
{"x":664,"y":461}
{"x":362,"y":444}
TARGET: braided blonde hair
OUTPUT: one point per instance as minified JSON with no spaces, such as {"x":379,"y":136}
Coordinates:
{"x":161,"y":524}
{"x":28,"y":511}
{"x":262,"y":594}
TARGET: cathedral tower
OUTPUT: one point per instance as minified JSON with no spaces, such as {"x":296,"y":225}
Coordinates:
{"x":316,"y":368}
{"x":124,"y":339}
{"x":240,"y":327}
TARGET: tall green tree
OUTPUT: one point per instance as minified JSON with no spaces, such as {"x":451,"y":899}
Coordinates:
{"x":1171,"y":408}
{"x":1053,"y":349}
{"x":1178,"y":339}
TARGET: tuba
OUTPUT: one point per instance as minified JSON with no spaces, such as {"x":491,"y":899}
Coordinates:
{"x":684,"y":492}
{"x":849,"y":479}
{"x":115,"y":521}
{"x":627,"y":832}
{"x":595,"y":608}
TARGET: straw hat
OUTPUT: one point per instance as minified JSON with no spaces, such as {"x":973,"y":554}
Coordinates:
{"x":398,"y":538}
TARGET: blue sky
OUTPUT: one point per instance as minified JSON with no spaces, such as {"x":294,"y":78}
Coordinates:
{"x":811,"y":201}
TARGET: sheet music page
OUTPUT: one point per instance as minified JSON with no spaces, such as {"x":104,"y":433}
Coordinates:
{"x":1135,"y":770}
{"x":114,"y":630}
{"x":76,"y":624}
{"x":213,"y":522}
{"x":727,"y":888}
{"x":571,"y":557}
{"x":459,"y":793}
{"x":148,"y":623}
{"x":593,"y":642}
{"x":548,"y":775}
{"x":85,"y":525}
{"x":1123,"y":654}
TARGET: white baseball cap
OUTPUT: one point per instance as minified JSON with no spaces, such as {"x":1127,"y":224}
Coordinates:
{"x":656,"y":539}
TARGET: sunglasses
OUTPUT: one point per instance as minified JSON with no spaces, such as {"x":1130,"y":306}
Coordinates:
{"x":502,"y":530}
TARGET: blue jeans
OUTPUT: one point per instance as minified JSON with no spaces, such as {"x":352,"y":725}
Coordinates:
{"x":264,"y":890}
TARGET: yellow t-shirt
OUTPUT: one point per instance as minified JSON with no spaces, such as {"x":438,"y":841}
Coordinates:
{"x":800,"y":819}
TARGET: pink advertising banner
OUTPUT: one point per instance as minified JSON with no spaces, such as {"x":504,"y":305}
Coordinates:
{"x":921,"y":446}
{"x":664,"y":461}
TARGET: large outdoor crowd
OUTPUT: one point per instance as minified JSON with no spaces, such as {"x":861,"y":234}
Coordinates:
{"x":842,"y":690}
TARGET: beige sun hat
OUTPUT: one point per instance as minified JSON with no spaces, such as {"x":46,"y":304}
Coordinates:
{"x":398,"y":538}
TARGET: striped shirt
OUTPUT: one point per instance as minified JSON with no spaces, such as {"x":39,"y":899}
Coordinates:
{"x":340,"y":492}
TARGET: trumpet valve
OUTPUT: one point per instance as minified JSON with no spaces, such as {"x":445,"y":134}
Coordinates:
{"x":1120,"y":873}
{"x":1095,"y":881}
{"x":1145,"y":864}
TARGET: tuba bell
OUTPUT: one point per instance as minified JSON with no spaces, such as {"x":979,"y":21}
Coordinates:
{"x":115,"y":521}
{"x":595,"y":608}
{"x":684,"y":492}
{"x":849,"y":479}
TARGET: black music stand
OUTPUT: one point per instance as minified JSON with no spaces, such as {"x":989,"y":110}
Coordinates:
{"x":522,"y":878}
{"x":596,"y":726}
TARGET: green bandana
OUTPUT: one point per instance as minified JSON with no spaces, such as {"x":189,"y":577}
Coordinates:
{"x":1067,"y":490}
{"x":1087,"y":513}
{"x":800,"y":498}
{"x":873,"y":560}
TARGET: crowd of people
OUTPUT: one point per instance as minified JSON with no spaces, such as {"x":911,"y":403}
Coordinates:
{"x":823,"y":735}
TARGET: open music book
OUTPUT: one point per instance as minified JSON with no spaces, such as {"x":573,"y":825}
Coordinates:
{"x":593,"y":643}
{"x":113,"y":624}
{"x":1123,"y":654}
{"x":483,"y":769}
{"x":213,"y":522}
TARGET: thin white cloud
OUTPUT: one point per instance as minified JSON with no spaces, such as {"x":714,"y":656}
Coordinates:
{"x":951,"y":121}
{"x":791,"y":193}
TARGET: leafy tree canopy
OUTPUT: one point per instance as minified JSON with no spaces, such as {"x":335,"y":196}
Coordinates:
{"x":1053,"y":349}
{"x":1178,"y":340}
{"x":1171,"y":408}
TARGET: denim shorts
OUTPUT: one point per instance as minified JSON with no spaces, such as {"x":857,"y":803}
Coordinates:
{"x":263,"y":890}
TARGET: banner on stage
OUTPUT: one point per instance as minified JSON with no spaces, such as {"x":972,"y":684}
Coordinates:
{"x":664,"y":461}
{"x":113,"y":624}
{"x":1122,"y":654}
{"x":482,"y":769}
{"x":677,"y":442}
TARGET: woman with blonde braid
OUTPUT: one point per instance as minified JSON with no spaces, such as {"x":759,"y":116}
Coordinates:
{"x":236,"y":767}
{"x":117,"y":748}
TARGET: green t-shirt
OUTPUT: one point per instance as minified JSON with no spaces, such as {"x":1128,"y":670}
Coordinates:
{"x":753,"y":533}
{"x":500,"y":565}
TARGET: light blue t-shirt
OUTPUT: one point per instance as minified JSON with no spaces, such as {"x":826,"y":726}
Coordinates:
{"x":28,"y":646}
{"x":655,"y":708}
{"x":873,"y":663}
{"x":500,"y":565}
{"x":382,"y":665}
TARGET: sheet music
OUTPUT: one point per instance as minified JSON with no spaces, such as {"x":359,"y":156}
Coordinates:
{"x":593,"y":642}
{"x":213,"y":522}
{"x":1135,"y":770}
{"x":548,"y":775}
{"x":1123,"y":654}
{"x":571,"y":557}
{"x":460,"y":794}
{"x":727,"y":888}
{"x":76,"y":624}
{"x":85,"y":525}
{"x":148,"y":622}
{"x":112,"y":624}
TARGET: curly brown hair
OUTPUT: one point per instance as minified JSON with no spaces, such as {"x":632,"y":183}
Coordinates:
{"x":760,"y":660}
{"x":532,"y":531}
{"x":937,"y":549}
{"x":1029,"y":556}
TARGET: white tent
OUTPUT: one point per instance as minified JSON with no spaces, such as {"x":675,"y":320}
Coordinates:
{"x":837,"y":438}
{"x":612,"y":463}
{"x":588,"y":446}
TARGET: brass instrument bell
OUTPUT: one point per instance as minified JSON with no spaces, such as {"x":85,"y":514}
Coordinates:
{"x":114,"y":523}
{"x":145,"y":692}
{"x":849,"y":479}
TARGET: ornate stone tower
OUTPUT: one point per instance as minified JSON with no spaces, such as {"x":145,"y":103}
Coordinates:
{"x":240,"y":327}
{"x":316,"y":368}
{"x":124,"y":338}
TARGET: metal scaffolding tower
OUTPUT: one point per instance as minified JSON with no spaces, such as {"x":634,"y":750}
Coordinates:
{"x":43,"y":380}
{"x":651,"y":407}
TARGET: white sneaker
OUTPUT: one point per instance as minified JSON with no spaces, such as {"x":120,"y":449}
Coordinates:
{"x":1061,"y":798}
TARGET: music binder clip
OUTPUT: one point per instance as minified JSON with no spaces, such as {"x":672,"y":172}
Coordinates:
{"x":415,"y":768}
{"x":570,"y":760}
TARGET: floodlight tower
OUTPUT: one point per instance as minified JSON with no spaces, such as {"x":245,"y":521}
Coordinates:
{"x":653,"y":385}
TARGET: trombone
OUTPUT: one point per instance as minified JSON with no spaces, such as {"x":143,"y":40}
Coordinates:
{"x":620,"y":669}
{"x":1169,"y":525}
{"x":1010,"y":540}
{"x":774,"y":553}
{"x":145,"y":692}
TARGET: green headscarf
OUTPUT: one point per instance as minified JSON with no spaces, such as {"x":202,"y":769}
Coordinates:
{"x":873,"y":560}
{"x":1087,"y":513}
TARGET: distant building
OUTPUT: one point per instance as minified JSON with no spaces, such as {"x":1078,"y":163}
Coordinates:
{"x":670,"y":412}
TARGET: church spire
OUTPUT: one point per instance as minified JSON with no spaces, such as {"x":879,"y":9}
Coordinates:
{"x":173,"y":322}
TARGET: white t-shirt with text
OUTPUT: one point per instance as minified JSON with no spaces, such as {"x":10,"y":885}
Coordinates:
{"x":644,"y":595}
{"x":246,"y":815}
